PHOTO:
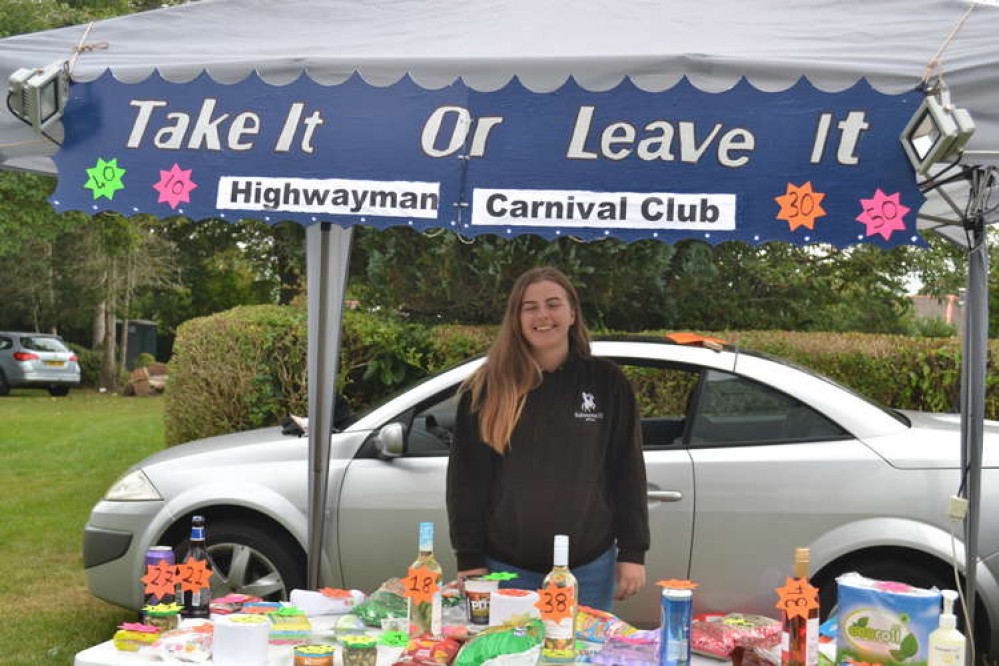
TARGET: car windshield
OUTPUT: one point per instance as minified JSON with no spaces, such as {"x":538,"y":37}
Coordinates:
{"x":894,"y":413}
{"x":43,"y":344}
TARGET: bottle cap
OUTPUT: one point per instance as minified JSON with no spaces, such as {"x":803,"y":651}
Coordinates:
{"x":426,"y":536}
{"x":947,"y":619}
{"x":561,"y":558}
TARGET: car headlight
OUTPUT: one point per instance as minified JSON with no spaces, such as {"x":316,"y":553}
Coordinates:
{"x":133,"y":487}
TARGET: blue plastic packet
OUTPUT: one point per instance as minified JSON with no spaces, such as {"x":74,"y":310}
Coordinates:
{"x":884,"y":622}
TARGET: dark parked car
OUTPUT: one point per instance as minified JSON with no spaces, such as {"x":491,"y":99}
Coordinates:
{"x":37,"y":360}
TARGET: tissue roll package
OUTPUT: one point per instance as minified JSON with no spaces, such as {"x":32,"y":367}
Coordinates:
{"x":884,"y":622}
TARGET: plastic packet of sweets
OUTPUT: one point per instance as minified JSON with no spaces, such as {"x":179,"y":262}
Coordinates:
{"x":596,"y":626}
{"x":716,"y":635}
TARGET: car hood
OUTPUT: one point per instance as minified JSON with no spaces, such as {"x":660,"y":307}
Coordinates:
{"x":933,"y":442}
{"x":265,"y":443}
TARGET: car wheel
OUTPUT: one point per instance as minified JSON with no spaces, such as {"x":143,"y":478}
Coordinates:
{"x":59,"y":391}
{"x":4,"y":386}
{"x":247,"y":560}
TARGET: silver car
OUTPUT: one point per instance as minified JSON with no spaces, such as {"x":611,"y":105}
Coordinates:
{"x":37,"y":360}
{"x":748,"y":457}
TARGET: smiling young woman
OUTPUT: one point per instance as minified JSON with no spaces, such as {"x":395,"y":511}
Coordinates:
{"x":548,"y":441}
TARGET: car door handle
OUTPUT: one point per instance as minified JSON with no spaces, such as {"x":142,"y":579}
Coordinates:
{"x":665,"y":495}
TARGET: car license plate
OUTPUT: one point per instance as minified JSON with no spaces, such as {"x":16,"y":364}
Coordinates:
{"x":55,"y":364}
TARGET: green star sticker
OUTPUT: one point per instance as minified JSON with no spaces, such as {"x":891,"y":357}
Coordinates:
{"x":105,"y":178}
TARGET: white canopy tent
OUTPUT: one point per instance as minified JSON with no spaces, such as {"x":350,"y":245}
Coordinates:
{"x":598,"y":43}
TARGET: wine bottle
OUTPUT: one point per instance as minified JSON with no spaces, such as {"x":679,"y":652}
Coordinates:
{"x":560,"y":639}
{"x":197,"y":602}
{"x":425,"y":612}
{"x":800,"y":636}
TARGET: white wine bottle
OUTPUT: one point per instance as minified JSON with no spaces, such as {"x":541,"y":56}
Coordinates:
{"x":560,"y":638}
{"x":423,"y":586}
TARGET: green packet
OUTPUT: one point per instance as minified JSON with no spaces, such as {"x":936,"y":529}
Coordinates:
{"x":884,"y":622}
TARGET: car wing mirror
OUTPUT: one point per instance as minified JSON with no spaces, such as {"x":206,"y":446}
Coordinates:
{"x":390,"y":441}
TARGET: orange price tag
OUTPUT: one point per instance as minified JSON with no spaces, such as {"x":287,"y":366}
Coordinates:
{"x":555,"y":603}
{"x":797,"y":598}
{"x":194,"y":575}
{"x":160,"y":579}
{"x":800,"y":205}
{"x":421,"y":584}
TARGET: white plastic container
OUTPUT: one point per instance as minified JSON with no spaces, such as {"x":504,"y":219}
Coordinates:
{"x":947,"y":644}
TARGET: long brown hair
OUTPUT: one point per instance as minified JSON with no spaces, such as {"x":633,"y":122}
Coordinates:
{"x":500,"y":386}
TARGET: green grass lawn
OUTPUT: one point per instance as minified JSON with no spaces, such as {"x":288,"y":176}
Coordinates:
{"x":57,"y":458}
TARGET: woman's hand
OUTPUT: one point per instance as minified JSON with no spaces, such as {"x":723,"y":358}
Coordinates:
{"x":630,"y":579}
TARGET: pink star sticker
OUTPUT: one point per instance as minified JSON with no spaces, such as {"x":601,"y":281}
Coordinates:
{"x":175,"y":186}
{"x":883,"y":214}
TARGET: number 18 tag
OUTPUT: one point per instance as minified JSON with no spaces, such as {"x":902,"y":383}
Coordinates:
{"x":421,"y":584}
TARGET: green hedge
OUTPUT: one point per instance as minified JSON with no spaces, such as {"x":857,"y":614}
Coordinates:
{"x":246,"y":368}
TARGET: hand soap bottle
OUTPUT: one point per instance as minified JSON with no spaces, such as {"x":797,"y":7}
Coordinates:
{"x":946,"y":642}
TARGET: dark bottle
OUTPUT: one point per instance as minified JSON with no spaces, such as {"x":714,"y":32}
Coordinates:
{"x":195,"y":573}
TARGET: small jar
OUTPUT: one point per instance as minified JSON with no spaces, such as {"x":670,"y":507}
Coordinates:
{"x":359,"y":651}
{"x":165,"y":617}
{"x":314,"y":655}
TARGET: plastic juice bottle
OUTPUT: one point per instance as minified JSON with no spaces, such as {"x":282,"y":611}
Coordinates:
{"x":560,"y":637}
{"x":426,"y":617}
{"x":800,"y":637}
{"x":947,"y":644}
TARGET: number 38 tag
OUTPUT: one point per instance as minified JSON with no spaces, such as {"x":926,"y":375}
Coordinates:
{"x":556,"y":603}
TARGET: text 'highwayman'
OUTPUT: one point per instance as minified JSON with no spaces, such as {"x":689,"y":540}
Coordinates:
{"x":330,"y":196}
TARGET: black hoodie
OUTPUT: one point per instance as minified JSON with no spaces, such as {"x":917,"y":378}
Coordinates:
{"x":574,"y":467}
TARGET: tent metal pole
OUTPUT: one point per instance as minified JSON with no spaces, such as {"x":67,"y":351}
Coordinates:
{"x":973,"y":402}
{"x":327,"y":260}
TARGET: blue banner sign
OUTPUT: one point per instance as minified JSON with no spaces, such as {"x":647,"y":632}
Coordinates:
{"x":799,"y":165}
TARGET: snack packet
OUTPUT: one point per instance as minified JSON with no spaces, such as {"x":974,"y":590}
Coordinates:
{"x":505,"y":645}
{"x":427,"y":651}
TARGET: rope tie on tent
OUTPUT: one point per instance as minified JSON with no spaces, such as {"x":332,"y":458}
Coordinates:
{"x":82,"y":47}
{"x":934,"y":66}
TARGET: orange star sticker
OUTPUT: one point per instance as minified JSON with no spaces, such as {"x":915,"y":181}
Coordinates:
{"x":194,"y":575}
{"x":556,"y":603}
{"x":421,"y":584}
{"x":335,"y":593}
{"x":799,"y":206}
{"x":675,"y":584}
{"x":797,"y":598}
{"x":160,"y":579}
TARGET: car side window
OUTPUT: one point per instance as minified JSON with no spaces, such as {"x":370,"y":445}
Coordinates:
{"x":737,"y":410}
{"x":432,"y":429}
{"x":664,"y":394}
{"x":6,"y":343}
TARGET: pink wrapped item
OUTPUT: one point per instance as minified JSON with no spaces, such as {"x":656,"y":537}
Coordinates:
{"x":717,"y":635}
